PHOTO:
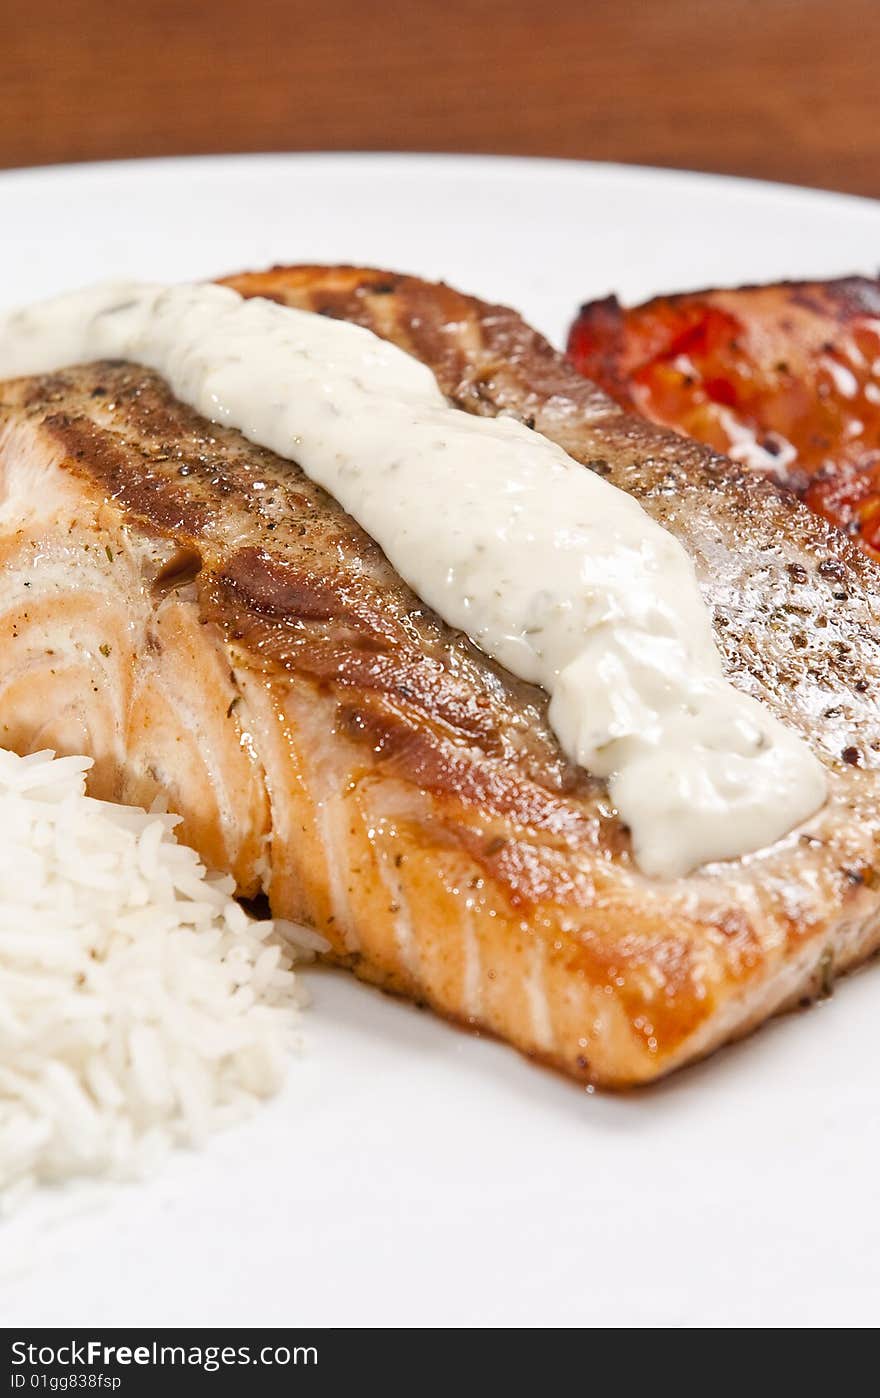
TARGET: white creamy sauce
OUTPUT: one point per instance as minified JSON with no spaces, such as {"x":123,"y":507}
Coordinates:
{"x":560,"y":576}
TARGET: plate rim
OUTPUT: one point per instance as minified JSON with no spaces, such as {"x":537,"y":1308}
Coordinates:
{"x":463,"y":163}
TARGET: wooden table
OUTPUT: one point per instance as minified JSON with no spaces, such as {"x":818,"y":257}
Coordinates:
{"x":785,"y":89}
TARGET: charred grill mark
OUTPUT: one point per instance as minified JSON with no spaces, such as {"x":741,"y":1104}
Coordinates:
{"x":328,"y":645}
{"x":181,"y":569}
{"x":273,"y":589}
{"x":429,"y":760}
{"x":126,"y":476}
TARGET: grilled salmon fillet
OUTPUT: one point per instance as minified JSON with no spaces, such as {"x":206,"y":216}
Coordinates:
{"x":783,"y":377}
{"x":211,"y":627}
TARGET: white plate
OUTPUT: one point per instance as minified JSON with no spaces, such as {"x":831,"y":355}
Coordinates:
{"x":410,"y":1174}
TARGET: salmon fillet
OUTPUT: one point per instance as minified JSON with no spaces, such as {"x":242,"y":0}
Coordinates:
{"x":784,"y":377}
{"x":211,"y":627}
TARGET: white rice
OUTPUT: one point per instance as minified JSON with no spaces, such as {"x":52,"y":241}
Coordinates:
{"x":140,"y":1007}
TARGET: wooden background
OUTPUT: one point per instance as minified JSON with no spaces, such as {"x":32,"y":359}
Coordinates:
{"x":785,"y":89}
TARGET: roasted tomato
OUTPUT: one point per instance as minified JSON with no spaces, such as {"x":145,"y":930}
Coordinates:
{"x":784,"y":379}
